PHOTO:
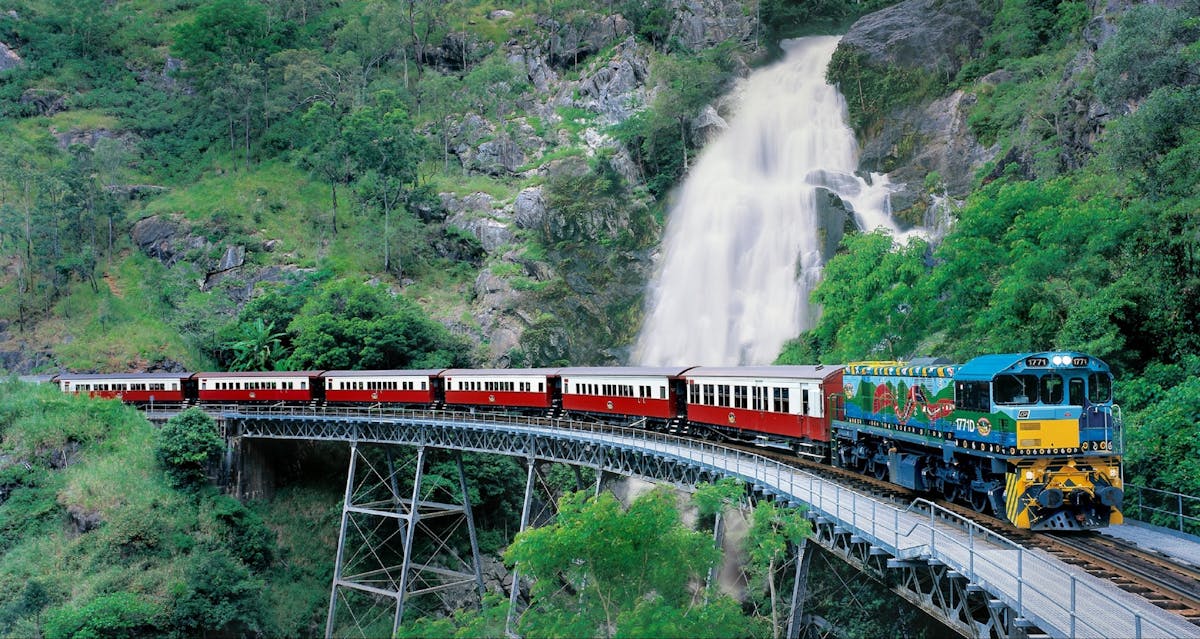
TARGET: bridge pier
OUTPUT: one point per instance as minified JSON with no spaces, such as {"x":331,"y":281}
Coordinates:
{"x":370,"y":572}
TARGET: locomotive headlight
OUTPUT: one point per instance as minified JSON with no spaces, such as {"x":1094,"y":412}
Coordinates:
{"x":1059,"y":360}
{"x":1029,"y":475}
{"x":1112,"y":472}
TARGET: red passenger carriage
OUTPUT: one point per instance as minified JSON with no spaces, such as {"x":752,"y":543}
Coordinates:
{"x":303,"y":386}
{"x":501,"y":387}
{"x":781,"y":404}
{"x":388,"y":387}
{"x":653,"y":392}
{"x":139,"y":388}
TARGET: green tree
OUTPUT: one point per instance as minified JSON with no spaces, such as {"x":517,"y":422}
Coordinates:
{"x":382,"y":142}
{"x":603,"y":571}
{"x":259,"y":347}
{"x":774,"y":533}
{"x":327,"y":153}
{"x":351,"y":325}
{"x":216,"y":595}
{"x":186,"y":445}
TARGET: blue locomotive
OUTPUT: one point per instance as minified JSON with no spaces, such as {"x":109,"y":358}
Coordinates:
{"x":1034,"y":437}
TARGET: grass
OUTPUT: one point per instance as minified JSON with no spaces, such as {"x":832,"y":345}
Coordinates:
{"x":272,"y":201}
{"x":117,"y":327}
{"x":83,"y":120}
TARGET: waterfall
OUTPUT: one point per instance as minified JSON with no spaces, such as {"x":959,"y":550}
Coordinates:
{"x":742,"y":250}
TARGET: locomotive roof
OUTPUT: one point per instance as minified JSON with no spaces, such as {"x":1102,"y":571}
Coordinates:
{"x":421,"y":372}
{"x":985,"y":367}
{"x":625,"y":371}
{"x":493,"y":372}
{"x":820,"y":371}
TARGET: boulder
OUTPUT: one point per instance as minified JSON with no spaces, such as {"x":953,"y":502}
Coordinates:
{"x":155,"y":236}
{"x":44,"y":101}
{"x":8,"y":58}
{"x":708,"y":125}
{"x":529,"y":209}
{"x":933,"y":35}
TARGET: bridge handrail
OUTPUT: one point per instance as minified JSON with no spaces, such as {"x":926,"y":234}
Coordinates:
{"x":978,"y":564}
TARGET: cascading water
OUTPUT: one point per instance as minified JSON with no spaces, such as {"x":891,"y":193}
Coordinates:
{"x":743,"y":244}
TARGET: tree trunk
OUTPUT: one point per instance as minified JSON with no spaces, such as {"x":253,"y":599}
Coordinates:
{"x":333,"y":193}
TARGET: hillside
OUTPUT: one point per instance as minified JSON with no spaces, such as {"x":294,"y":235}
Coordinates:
{"x":503,"y":169}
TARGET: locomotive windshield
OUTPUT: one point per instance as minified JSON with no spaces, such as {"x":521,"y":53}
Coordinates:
{"x":1049,"y":389}
{"x":1016,"y":389}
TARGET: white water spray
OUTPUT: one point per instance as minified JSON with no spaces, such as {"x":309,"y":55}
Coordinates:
{"x":743,"y":244}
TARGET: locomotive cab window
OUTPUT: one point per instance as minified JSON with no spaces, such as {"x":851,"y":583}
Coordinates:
{"x":1075,"y":392}
{"x":1016,"y":389}
{"x":1099,"y":388}
{"x":973,"y":396}
{"x":1052,"y":389}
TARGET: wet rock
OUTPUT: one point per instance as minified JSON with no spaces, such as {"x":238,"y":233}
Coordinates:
{"x":933,"y":35}
{"x":708,"y":125}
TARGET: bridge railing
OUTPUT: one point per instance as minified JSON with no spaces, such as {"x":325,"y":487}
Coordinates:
{"x":923,"y":531}
{"x":1164,"y":508}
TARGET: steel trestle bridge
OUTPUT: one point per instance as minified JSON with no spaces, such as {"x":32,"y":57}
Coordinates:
{"x":974,"y":581}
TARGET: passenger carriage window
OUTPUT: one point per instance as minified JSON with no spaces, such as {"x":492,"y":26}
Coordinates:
{"x":693,"y":393}
{"x":723,"y":395}
{"x":804,"y":407}
{"x":541,"y":386}
{"x":1051,"y":391}
{"x":709,"y":394}
{"x":662,"y":392}
{"x":781,"y":403}
{"x":1099,"y":388}
{"x":973,"y":396}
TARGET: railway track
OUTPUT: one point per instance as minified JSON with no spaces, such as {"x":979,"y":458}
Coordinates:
{"x":1157,"y":578}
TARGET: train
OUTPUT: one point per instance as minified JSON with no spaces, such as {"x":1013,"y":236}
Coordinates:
{"x":1033,"y":438}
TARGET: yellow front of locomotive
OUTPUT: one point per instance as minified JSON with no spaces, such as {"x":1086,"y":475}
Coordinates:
{"x":1064,"y":453}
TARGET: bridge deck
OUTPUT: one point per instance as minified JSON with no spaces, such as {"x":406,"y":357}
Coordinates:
{"x":1054,"y":596}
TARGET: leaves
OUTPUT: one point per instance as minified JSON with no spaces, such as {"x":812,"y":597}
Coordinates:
{"x":186,"y":445}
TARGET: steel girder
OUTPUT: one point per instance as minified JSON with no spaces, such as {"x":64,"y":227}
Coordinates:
{"x":940,"y":591}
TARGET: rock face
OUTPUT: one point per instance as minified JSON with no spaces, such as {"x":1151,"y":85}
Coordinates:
{"x":580,"y":35}
{"x":616,"y":89}
{"x":934,"y":35}
{"x":700,"y":24}
{"x":943,"y":141}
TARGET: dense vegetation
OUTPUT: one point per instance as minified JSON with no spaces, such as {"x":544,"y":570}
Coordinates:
{"x":1062,"y":244}
{"x":326,"y":140}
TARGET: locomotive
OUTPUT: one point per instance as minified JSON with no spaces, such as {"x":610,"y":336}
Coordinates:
{"x":1033,"y":438}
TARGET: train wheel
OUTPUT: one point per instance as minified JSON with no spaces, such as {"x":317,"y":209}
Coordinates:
{"x":950,"y":491}
{"x":979,"y":501}
{"x":879,"y":470}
